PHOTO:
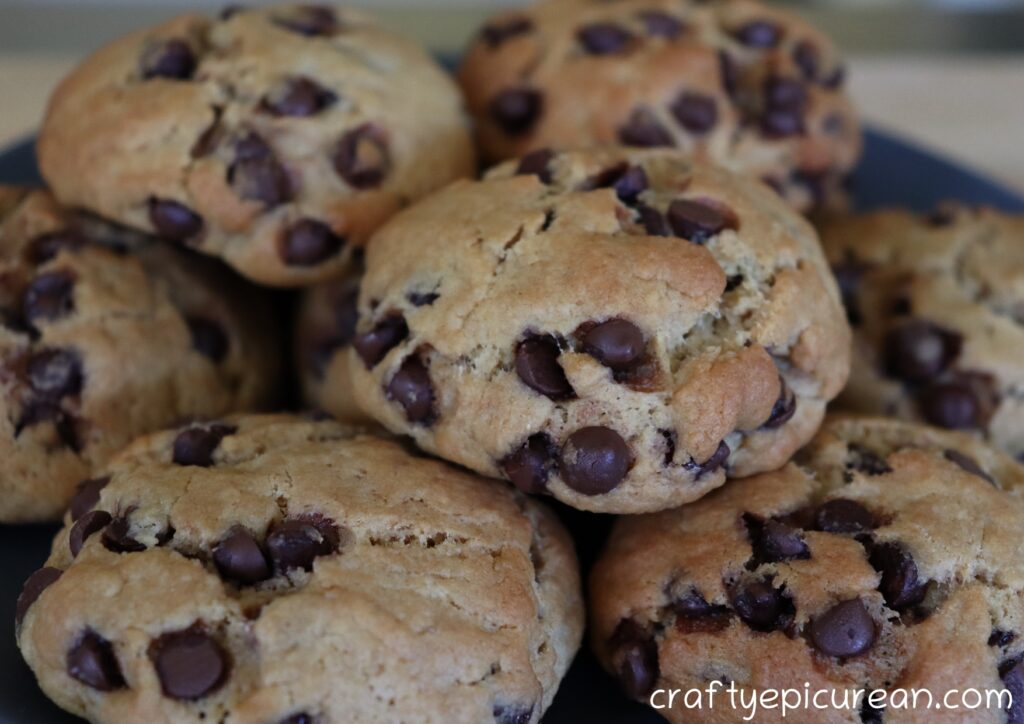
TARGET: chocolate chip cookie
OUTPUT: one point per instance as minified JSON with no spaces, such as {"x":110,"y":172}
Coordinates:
{"x":617,"y":328}
{"x":101,"y":342}
{"x":271,"y":569}
{"x":276,"y":138}
{"x":886,"y":556}
{"x":752,"y":87}
{"x":324,"y":329}
{"x":937,"y":307}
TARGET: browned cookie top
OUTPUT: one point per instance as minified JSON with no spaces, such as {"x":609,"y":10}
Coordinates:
{"x":275,"y":138}
{"x":270,"y":569}
{"x":749,"y":86}
{"x":936,"y":303}
{"x":885,"y":557}
{"x":617,"y":328}
{"x":105,"y":336}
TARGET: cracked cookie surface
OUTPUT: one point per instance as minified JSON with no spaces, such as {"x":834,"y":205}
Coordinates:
{"x":885,"y":556}
{"x":101,"y":342}
{"x":275,"y":138}
{"x":269,"y":568}
{"x":751,"y":87}
{"x":936,"y":303}
{"x":616,"y":328}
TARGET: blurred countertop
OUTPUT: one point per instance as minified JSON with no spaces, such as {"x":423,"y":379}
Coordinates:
{"x":967,"y":105}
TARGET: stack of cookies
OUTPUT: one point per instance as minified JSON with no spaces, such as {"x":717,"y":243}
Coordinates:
{"x":626,"y":312}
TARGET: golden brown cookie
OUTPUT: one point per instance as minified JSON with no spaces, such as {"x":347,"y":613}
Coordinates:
{"x":749,"y":86}
{"x":617,"y":328}
{"x":99,"y":344}
{"x":275,"y":138}
{"x":885,"y":557}
{"x":271,"y":569}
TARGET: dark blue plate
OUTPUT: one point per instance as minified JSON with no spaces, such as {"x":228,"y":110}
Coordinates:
{"x":893,"y":173}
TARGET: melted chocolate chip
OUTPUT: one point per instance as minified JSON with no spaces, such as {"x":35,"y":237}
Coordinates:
{"x":92,"y":661}
{"x":87,"y":494}
{"x":300,"y":718}
{"x":239,"y":558}
{"x":594,"y":460}
{"x":257,"y":175}
{"x":841,"y":515}
{"x":761,"y":606}
{"x":696,"y":112}
{"x":866,"y":461}
{"x":759,"y":34}
{"x":617,"y":344}
{"x":964,"y":402}
{"x":806,"y":57}
{"x":1001,"y":638}
{"x":516,"y":110}
{"x":309,"y":20}
{"x":694,"y":614}
{"x":506,"y":714}
{"x":659,"y":24}
{"x":309,"y":242}
{"x":422,"y":299}
{"x":653,"y":221}
{"x":499,"y":33}
{"x":92,"y":522}
{"x":717,"y":460}
{"x":190,"y":664}
{"x":785,"y":101}
{"x":171,"y":59}
{"x":173,"y":220}
{"x":635,"y":654}
{"x":117,"y":537}
{"x":1012,"y":674}
{"x":537,"y":163}
{"x":537,"y":366}
{"x":374,"y":344}
{"x":773,"y":541}
{"x":899,"y":585}
{"x":530,"y":466}
{"x":55,"y":373}
{"x":299,"y":97}
{"x":49,"y":296}
{"x":45,"y":247}
{"x":845,"y":630}
{"x":33,"y":588}
{"x":362,"y":157}
{"x":208,"y":338}
{"x":783,"y":409}
{"x":918,"y":350}
{"x":603,"y":38}
{"x":644,"y":130}
{"x":196,"y":445}
{"x":297,"y":542}
{"x":969,"y":464}
{"x":411,"y":388}
{"x":695,"y":221}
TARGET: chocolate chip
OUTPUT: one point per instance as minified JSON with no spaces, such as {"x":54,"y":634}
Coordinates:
{"x":87,"y":494}
{"x":871,"y":714}
{"x":694,"y":614}
{"x":643,"y":129}
{"x":759,"y":34}
{"x":422,"y":299}
{"x":782,"y":92}
{"x":374,"y":344}
{"x":92,"y":522}
{"x":836,"y":79}
{"x":653,"y":221}
{"x":783,"y":409}
{"x":1001,"y":638}
{"x":635,"y":654}
{"x":845,"y":630}
{"x":117,"y":538}
{"x":516,"y":110}
{"x":662,"y":25}
{"x":256,"y":174}
{"x":899,"y":585}
{"x":362,"y":157}
{"x":717,"y":460}
{"x":49,"y":296}
{"x":696,"y":112}
{"x":594,"y":460}
{"x":1012,"y":675}
{"x":411,"y":388}
{"x":309,"y":242}
{"x":531,"y":464}
{"x":505,"y":714}
{"x":32,"y":588}
{"x":773,"y":540}
{"x":299,"y":97}
{"x":498,"y":33}
{"x":603,"y":38}
{"x":537,"y":164}
{"x":92,"y":661}
{"x":617,"y":344}
{"x":208,"y":338}
{"x":848,"y":274}
{"x":169,"y":59}
{"x":969,"y":464}
{"x":173,"y":220}
{"x":55,"y":373}
{"x":695,"y":221}
{"x":785,"y":100}
{"x":729,"y":73}
{"x":297,"y":542}
{"x":196,"y":445}
{"x":918,"y":350}
{"x":538,"y":368}
{"x":238,"y":557}
{"x":760,"y":605}
{"x":806,"y":57}
{"x":630,"y":184}
{"x":39,"y":411}
{"x":190,"y":664}
{"x":866,"y":461}
{"x":45,"y":247}
{"x":841,"y":515}
{"x":300,"y":718}
{"x":962,"y":403}
{"x":309,"y":20}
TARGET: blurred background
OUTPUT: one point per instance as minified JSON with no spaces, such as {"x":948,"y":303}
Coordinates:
{"x":950,"y":73}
